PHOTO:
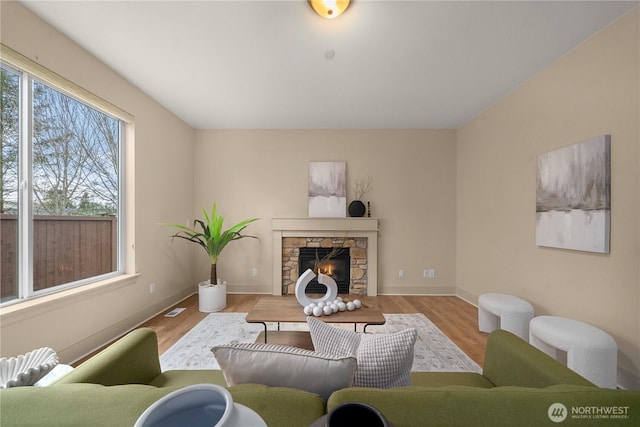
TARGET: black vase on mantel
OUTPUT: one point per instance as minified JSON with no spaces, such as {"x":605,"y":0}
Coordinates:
{"x":356,"y":209}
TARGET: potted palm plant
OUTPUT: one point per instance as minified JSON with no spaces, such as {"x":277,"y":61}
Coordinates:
{"x":212,"y":293}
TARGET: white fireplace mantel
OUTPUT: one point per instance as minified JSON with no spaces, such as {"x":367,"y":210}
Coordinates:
{"x":326,"y":227}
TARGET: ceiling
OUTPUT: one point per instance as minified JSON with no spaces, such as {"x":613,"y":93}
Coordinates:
{"x":276,"y":65}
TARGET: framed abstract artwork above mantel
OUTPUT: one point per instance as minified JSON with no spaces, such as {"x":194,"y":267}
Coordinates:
{"x":573,"y":196}
{"x":327,"y":189}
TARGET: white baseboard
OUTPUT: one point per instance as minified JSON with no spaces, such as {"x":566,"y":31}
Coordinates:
{"x":418,"y":290}
{"x":467,"y":296}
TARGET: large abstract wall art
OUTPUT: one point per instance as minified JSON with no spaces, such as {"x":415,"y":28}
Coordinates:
{"x":327,"y":189}
{"x":573,"y":196}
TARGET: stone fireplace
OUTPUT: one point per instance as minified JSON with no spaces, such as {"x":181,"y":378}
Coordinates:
{"x":356,"y":237}
{"x":347,"y":263}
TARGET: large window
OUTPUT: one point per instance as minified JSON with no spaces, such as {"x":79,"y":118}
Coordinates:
{"x":61,"y":192}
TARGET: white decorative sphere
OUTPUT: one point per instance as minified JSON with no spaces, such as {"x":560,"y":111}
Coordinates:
{"x":327,"y":310}
{"x":312,"y":305}
{"x":317,"y":311}
{"x":342,"y":306}
{"x":339,"y":299}
{"x":357,"y":303}
{"x":334,"y":307}
{"x":308,"y":310}
{"x":321,"y":304}
{"x":350,"y":306}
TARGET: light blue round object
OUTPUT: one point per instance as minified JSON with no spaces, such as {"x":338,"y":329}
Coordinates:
{"x":199,"y":405}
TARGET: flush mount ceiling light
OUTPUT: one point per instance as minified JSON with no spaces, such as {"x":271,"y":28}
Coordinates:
{"x":329,"y":8}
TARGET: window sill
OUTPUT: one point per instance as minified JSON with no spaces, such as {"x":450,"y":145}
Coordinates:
{"x":25,"y":309}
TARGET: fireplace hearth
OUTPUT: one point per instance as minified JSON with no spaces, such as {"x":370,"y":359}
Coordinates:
{"x":334,"y":262}
{"x":357,"y":236}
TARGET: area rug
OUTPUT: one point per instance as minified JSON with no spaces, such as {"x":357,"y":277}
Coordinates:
{"x":434,"y":351}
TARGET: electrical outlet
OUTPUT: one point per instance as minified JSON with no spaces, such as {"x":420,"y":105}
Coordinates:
{"x":400,"y":273}
{"x":425,"y":273}
{"x":254,"y":272}
{"x":431,"y":273}
{"x":152,"y":288}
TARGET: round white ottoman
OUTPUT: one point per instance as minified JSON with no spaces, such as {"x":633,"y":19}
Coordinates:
{"x":501,"y":311}
{"x":591,"y":352}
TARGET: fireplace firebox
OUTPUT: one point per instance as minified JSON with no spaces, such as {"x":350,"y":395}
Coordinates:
{"x":334,"y":262}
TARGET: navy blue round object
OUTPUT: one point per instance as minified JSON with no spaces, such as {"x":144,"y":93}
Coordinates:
{"x":356,"y":209}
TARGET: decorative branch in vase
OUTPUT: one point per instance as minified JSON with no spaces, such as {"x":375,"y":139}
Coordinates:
{"x":320,"y":264}
{"x":363,"y":186}
{"x":356,"y":207}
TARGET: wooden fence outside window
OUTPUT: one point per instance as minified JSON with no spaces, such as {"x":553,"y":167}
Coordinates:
{"x":65,"y":249}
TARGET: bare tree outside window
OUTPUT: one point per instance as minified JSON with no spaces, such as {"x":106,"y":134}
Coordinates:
{"x":75,"y":157}
{"x":9,"y":131}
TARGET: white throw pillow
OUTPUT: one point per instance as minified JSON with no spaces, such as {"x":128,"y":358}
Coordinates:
{"x":54,"y":375}
{"x":384,"y":360}
{"x":282,"y":366}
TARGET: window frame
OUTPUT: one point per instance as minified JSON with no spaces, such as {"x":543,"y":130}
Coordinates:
{"x":30,"y":71}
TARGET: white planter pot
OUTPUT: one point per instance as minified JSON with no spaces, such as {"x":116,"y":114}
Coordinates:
{"x":212,"y":298}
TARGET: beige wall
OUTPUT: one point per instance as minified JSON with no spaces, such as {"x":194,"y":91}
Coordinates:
{"x":264,"y":173}
{"x":75,"y":325}
{"x":594,"y":90}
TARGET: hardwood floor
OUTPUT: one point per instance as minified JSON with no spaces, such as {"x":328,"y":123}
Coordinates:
{"x":455,"y":317}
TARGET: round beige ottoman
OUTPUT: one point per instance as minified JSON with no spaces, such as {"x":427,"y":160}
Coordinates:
{"x":591,"y":352}
{"x":501,"y":311}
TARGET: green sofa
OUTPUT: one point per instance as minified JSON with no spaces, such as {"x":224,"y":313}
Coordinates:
{"x":518,"y":386}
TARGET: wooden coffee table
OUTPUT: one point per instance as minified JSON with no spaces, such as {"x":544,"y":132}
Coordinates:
{"x":287,"y":309}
